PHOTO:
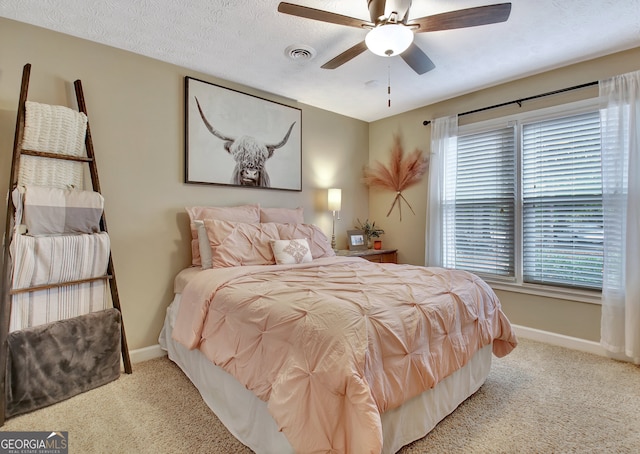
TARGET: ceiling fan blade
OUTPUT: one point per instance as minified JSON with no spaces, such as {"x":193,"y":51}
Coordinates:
{"x":345,"y":56}
{"x":417,"y":59}
{"x":376,"y":9}
{"x":322,"y":16}
{"x":470,"y":17}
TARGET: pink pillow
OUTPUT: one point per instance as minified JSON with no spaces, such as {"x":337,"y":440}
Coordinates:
{"x":282,"y":215}
{"x":238,"y":243}
{"x":318,"y":241}
{"x":243,"y":213}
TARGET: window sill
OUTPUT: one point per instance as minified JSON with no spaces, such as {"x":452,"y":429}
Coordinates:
{"x":583,"y":296}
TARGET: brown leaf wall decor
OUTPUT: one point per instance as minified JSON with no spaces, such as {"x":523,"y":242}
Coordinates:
{"x":401,"y":173}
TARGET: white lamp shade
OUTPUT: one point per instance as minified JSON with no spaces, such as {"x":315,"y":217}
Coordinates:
{"x":389,"y":40}
{"x":334,"y":199}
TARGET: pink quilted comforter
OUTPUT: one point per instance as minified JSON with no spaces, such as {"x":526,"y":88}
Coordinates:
{"x":330,"y":345}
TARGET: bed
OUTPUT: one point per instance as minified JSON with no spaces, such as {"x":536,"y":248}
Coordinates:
{"x":307,"y":352}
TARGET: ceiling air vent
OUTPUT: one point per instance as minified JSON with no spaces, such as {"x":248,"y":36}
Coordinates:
{"x":299,"y":52}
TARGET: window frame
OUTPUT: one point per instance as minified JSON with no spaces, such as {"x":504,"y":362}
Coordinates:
{"x":516,"y":121}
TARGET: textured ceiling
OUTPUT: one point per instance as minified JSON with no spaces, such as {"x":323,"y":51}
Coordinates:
{"x":245,"y":41}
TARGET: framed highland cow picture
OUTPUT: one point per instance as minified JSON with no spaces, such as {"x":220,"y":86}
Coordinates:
{"x":236,"y":139}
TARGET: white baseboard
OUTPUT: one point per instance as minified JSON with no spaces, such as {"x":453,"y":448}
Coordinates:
{"x":560,"y":340}
{"x":146,"y":353}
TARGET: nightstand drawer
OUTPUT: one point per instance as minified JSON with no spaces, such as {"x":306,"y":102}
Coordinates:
{"x":387,"y":257}
{"x":374,"y":255}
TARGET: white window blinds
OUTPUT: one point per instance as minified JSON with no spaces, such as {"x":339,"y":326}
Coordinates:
{"x":562,"y":201}
{"x":483,"y":205}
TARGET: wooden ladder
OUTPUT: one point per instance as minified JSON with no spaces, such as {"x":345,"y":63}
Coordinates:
{"x":7,"y":291}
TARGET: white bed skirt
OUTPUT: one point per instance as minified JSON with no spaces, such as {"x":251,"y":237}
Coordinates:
{"x":248,"y":419}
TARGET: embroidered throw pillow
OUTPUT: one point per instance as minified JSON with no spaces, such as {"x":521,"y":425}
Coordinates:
{"x":289,"y":252}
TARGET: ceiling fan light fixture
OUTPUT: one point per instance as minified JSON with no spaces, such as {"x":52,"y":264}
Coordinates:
{"x":389,"y":40}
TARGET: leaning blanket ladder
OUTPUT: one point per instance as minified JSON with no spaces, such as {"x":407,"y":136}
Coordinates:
{"x":7,"y":290}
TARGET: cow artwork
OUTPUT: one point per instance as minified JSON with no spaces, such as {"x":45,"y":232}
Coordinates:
{"x":250,"y":155}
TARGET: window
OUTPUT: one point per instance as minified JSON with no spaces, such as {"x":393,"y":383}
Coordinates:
{"x":527,"y":202}
{"x":562,"y":201}
{"x":484,"y":203}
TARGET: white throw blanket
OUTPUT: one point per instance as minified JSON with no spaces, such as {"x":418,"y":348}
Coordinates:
{"x":52,"y":129}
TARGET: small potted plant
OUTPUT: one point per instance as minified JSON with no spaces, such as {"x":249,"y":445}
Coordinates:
{"x":370,"y":231}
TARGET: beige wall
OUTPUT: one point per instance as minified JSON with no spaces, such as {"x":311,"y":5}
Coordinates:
{"x":135,"y":107}
{"x":570,"y":318}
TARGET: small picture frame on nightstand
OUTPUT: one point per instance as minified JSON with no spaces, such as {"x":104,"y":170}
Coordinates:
{"x":357,"y":240}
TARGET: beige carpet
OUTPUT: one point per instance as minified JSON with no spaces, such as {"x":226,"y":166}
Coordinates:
{"x":538,"y":399}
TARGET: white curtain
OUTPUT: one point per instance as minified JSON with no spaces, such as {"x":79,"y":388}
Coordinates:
{"x":442,"y":178}
{"x":620,"y":123}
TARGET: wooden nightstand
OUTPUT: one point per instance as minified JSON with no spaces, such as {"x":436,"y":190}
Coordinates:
{"x":373,"y":255}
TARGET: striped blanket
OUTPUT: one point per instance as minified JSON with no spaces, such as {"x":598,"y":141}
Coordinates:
{"x":53,"y":259}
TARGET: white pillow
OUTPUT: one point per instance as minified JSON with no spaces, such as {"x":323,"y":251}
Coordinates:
{"x":289,"y":252}
{"x":203,"y":245}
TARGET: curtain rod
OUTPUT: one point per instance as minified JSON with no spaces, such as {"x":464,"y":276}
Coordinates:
{"x":521,"y":100}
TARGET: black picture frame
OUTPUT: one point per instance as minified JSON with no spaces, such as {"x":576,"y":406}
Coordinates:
{"x":236,"y":139}
{"x":357,"y":241}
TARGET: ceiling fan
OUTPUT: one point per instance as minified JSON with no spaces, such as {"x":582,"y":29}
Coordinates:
{"x":391,"y":30}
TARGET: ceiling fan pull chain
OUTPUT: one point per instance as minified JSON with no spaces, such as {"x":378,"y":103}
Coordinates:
{"x":389,"y":86}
